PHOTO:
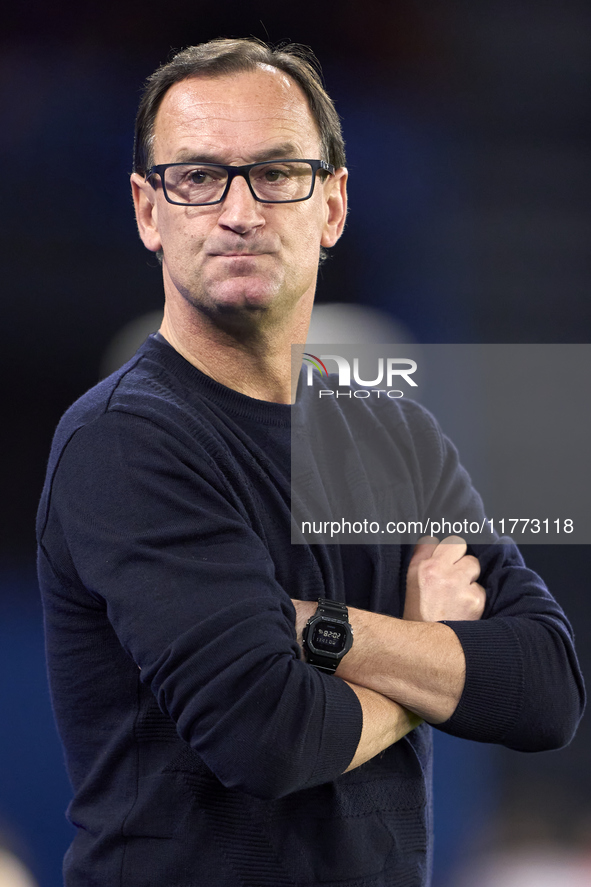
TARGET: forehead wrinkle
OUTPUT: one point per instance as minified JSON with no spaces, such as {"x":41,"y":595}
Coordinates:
{"x":192,"y":112}
{"x":228,"y":141}
{"x":285,"y":122}
{"x":265,"y":149}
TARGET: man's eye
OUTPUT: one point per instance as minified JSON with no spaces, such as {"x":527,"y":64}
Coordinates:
{"x":199,"y":176}
{"x":276,"y":175}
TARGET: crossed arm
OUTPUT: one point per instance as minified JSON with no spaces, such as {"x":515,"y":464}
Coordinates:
{"x":411,"y":669}
{"x":225,"y":665}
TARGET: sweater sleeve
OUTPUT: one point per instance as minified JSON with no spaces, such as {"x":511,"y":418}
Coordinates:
{"x":155,"y":534}
{"x":523,"y":686}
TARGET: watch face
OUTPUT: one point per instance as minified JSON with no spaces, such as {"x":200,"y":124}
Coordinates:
{"x":329,"y":637}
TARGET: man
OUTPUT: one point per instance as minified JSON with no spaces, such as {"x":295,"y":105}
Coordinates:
{"x":202,"y":746}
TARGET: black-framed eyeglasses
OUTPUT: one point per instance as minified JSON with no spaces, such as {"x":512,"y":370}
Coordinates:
{"x":272,"y":181}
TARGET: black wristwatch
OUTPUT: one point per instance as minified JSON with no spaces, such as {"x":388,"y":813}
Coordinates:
{"x":327,"y":635}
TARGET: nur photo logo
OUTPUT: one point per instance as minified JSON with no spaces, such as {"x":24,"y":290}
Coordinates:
{"x":388,"y":370}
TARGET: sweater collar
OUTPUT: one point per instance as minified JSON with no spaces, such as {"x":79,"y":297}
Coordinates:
{"x":229,"y":400}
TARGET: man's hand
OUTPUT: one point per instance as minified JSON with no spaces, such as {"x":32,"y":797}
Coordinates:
{"x":441,"y":582}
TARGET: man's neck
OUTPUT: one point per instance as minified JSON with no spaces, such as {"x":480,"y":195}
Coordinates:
{"x":257,"y":362}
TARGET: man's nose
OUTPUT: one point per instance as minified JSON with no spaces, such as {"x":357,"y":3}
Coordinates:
{"x":240,"y":211}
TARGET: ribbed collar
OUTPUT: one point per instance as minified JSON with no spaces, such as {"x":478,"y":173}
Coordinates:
{"x":230,"y":401}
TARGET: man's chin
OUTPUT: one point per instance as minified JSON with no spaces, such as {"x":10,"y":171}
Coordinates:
{"x":242,"y":295}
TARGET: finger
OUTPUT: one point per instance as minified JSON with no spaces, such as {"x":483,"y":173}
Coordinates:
{"x":451,"y":549}
{"x":479,"y":602}
{"x":470,"y":567}
{"x":424,"y":548}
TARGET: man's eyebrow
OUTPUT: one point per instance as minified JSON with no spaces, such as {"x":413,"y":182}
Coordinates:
{"x":278,"y":152}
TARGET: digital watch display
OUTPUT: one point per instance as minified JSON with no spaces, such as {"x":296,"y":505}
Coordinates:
{"x":327,"y":635}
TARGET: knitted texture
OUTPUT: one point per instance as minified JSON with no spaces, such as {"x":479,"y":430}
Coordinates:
{"x":202,"y":750}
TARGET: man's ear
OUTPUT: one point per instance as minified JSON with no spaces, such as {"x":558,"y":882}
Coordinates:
{"x":336,"y":206}
{"x":146,"y":212}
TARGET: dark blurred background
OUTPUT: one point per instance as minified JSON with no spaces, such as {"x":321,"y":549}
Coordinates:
{"x":468,"y":134}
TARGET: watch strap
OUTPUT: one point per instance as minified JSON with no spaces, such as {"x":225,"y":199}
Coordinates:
{"x":333,"y":609}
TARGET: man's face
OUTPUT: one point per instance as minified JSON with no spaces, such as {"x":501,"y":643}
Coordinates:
{"x":240,"y":256}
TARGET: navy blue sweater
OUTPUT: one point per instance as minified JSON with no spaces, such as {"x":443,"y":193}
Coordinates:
{"x":202,"y":750}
